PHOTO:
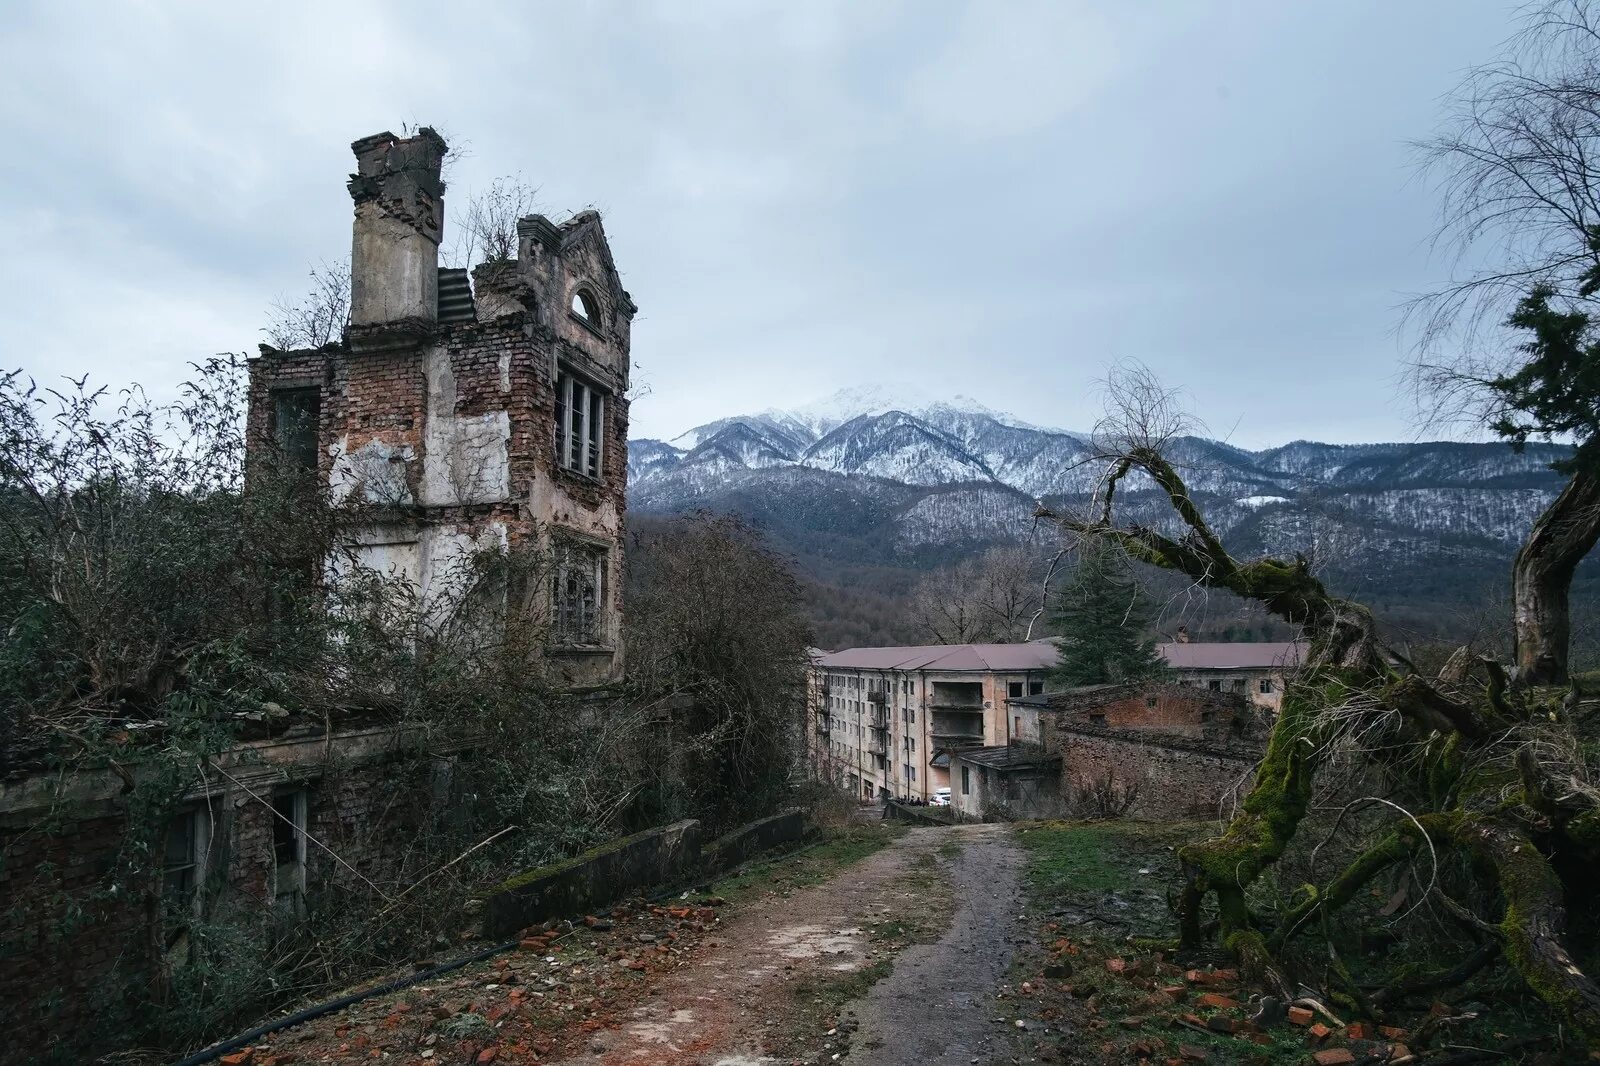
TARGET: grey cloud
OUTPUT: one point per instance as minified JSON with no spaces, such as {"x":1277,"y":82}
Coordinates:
{"x":999,"y":198}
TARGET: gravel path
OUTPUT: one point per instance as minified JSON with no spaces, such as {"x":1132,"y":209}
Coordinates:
{"x":937,"y":1007}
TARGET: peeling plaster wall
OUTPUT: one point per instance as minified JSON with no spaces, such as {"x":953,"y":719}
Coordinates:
{"x":449,"y":434}
{"x":465,"y":458}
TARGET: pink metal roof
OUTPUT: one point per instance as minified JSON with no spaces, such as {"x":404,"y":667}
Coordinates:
{"x":973,"y":658}
{"x":1202,"y":655}
{"x":1041,"y":655}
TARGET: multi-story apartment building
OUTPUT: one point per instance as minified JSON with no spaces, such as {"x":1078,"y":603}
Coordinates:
{"x":885,"y":720}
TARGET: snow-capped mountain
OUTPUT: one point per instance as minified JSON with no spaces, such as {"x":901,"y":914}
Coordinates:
{"x":884,"y":476}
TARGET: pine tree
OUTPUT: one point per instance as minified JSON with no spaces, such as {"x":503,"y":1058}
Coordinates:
{"x":1104,"y":620}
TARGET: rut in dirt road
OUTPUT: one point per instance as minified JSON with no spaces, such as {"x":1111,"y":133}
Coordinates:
{"x":936,"y":1008}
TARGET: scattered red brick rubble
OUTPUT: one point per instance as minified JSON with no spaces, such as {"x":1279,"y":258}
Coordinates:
{"x":538,"y":1002}
{"x":672,"y":985}
{"x":1134,"y":1006}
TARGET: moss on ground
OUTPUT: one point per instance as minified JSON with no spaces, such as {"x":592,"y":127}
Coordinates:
{"x":838,"y":849}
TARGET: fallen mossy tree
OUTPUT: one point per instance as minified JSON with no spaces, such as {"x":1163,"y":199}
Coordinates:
{"x":1483,"y":766}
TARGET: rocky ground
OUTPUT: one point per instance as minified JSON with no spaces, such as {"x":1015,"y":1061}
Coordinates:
{"x":761,"y":969}
{"x":887,"y":946}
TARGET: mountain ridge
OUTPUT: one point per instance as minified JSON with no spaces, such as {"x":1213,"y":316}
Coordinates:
{"x":1428,"y":525}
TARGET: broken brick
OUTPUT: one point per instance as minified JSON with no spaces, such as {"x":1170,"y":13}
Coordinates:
{"x":1300,"y":1016}
{"x":1218,"y":1002}
{"x":1358,"y":1031}
{"x":1319,"y":1031}
{"x":1334,"y":1056}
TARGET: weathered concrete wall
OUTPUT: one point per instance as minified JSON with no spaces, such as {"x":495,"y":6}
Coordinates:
{"x":595,"y":878}
{"x":737,"y":846}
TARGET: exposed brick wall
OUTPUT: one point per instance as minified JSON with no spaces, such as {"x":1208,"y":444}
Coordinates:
{"x":1183,"y":750}
{"x":69,"y":943}
{"x":1172,"y":780}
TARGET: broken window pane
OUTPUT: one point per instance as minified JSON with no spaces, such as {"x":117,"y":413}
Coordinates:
{"x":580,"y":425}
{"x":579,"y":582}
{"x":296,"y":413}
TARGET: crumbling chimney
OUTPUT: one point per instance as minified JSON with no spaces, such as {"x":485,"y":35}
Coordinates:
{"x":1183,"y":634}
{"x":394,"y":255}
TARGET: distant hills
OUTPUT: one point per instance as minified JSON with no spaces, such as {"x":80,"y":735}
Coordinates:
{"x":875,"y":477}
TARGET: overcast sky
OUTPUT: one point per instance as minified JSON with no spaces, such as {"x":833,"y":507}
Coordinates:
{"x":991,"y":198}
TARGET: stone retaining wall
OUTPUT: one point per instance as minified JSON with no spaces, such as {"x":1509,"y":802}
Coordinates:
{"x":589,"y":881}
{"x":764,"y":834}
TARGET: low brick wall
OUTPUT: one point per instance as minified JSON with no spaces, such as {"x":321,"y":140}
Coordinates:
{"x":733,"y":848}
{"x":1174,"y":779}
{"x":595,"y":878}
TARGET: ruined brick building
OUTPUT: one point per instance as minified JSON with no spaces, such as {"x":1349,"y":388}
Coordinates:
{"x":448,"y":417}
{"x":458,"y":419}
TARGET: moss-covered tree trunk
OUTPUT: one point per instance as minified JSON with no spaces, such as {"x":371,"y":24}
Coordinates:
{"x":1541,"y":579}
{"x":1458,"y":752}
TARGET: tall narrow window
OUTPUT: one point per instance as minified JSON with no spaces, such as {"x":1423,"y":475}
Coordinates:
{"x":580,"y":425}
{"x":295,"y":414}
{"x":183,"y":874}
{"x":579,"y":592}
{"x":289,"y":852}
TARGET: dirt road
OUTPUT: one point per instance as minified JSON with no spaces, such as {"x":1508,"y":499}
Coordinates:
{"x":782,"y":969}
{"x":937,"y":1007}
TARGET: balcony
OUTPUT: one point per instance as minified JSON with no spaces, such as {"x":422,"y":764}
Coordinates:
{"x":878,"y":746}
{"x":880,"y":697}
{"x":949,"y":741}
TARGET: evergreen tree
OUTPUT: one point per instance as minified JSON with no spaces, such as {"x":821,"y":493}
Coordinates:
{"x":1104,"y":619}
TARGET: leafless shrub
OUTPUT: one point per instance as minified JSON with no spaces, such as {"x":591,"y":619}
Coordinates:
{"x":317,"y":318}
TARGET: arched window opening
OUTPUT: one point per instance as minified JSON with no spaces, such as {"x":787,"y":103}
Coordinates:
{"x":586,"y":307}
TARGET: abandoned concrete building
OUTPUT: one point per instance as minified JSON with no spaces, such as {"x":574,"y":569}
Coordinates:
{"x":1151,"y":750}
{"x":449,"y":416}
{"x":885,"y":720}
{"x":1257,"y":670}
{"x":457,"y":416}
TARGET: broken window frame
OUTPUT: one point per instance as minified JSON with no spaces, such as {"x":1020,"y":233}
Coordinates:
{"x":580,"y":424}
{"x":297,"y":424}
{"x":578,"y":593}
{"x":290,"y":811}
{"x":194,"y":827}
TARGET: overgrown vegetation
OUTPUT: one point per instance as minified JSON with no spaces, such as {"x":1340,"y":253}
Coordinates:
{"x":165,"y":609}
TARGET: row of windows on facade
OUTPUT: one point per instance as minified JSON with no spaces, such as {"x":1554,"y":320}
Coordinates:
{"x":856,"y":683}
{"x":579,"y":431}
{"x":192,"y":843}
{"x":908,"y":715}
{"x":1240,"y":684}
{"x":843,"y":751}
{"x":847,"y":729}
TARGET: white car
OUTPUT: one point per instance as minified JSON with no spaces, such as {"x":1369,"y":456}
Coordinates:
{"x":941,"y":798}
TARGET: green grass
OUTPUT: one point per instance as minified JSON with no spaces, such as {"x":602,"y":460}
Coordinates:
{"x":1089,"y":858}
{"x":840,"y":848}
